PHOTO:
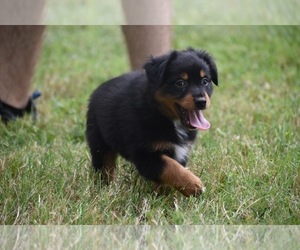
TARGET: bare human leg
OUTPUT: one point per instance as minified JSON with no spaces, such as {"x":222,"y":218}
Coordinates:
{"x":19,"y":50}
{"x":148,"y":30}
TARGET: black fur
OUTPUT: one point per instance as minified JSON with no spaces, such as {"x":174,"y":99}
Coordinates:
{"x":127,"y":116}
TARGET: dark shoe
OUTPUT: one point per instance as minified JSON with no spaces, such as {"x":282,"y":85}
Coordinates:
{"x":9,"y":113}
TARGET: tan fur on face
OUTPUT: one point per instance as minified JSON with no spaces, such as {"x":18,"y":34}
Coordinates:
{"x":181,"y":179}
{"x":187,"y":102}
{"x":167,"y":105}
{"x":184,"y":76}
{"x":202,"y":73}
{"x":207,"y":100}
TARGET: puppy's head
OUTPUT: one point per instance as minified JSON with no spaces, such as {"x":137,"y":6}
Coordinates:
{"x":182,"y":84}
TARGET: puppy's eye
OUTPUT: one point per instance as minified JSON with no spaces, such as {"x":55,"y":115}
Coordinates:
{"x":205,"y":81}
{"x":180,"y":84}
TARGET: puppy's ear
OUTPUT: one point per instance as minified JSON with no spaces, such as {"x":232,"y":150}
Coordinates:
{"x":210,"y":62}
{"x":155,"y":69}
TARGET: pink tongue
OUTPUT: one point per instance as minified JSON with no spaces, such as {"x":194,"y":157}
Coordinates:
{"x":197,"y":120}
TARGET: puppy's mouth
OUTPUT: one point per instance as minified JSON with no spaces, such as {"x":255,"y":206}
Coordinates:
{"x":193,"y":119}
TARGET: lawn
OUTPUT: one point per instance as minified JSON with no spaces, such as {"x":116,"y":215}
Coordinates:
{"x":249,"y":159}
{"x":101,"y":12}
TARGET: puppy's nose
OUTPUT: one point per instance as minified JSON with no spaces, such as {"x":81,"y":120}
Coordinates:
{"x":200,"y":102}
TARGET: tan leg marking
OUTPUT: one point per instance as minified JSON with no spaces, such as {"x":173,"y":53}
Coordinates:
{"x":160,"y":146}
{"x":181,"y":179}
{"x":207,"y":100}
{"x":109,"y":165}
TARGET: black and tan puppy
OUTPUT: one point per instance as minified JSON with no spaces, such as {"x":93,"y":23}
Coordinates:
{"x":151,"y":118}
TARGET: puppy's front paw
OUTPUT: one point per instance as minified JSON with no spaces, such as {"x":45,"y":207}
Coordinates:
{"x":181,"y":179}
{"x":193,"y":187}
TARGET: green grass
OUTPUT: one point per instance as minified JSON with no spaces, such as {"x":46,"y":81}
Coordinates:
{"x":101,"y":12}
{"x":249,"y":159}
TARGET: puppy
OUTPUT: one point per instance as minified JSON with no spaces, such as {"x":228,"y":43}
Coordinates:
{"x":151,"y":118}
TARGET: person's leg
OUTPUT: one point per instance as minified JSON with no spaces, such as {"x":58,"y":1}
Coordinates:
{"x":147,"y":12}
{"x":19,"y":50}
{"x":145,"y":40}
{"x":21,"y":12}
{"x":148,"y":30}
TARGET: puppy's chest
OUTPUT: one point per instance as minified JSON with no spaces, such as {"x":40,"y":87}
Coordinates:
{"x":184,"y":143}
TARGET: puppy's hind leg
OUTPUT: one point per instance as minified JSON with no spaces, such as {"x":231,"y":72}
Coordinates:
{"x":103,"y":158}
{"x":109,"y":160}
